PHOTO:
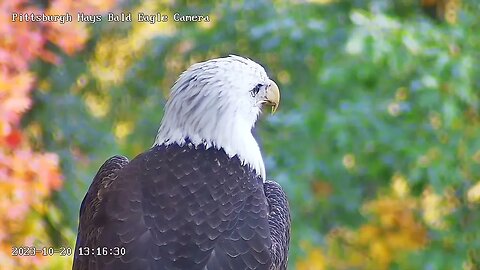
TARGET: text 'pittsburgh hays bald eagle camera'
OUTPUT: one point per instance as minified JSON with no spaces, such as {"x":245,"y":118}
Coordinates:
{"x":198,"y":199}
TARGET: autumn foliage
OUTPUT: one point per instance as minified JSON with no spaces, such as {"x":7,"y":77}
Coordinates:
{"x":394,"y":226}
{"x":376,"y":143}
{"x":29,"y":176}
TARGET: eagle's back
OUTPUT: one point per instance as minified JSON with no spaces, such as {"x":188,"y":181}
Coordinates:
{"x":178,"y":207}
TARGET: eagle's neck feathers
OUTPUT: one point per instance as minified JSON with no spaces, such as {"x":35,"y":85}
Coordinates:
{"x":233,"y":139}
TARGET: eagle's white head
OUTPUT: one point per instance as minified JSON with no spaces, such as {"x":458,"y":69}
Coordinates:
{"x":216,"y":103}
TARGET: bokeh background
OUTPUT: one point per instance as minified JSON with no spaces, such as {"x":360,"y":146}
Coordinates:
{"x":376,"y":141}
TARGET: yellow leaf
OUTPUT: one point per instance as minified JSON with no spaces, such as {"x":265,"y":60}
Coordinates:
{"x":473,"y":194}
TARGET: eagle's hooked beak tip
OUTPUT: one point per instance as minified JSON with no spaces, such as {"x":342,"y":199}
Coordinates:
{"x":273,"y":96}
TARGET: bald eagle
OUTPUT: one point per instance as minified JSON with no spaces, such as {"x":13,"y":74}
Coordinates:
{"x":199,"y":198}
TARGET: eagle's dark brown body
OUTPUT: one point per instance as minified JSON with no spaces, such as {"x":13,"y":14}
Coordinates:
{"x":183,"y":207}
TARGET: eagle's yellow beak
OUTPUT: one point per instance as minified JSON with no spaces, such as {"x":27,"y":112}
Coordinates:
{"x":273,"y":96}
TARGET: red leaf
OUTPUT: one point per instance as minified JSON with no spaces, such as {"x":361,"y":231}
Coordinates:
{"x":14,"y":138}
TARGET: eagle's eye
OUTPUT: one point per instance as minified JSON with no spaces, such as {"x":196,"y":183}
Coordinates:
{"x":256,"y":89}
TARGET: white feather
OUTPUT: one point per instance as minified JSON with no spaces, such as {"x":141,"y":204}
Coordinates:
{"x":211,"y":104}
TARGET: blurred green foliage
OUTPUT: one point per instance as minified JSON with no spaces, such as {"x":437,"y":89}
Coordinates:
{"x":370,"y":89}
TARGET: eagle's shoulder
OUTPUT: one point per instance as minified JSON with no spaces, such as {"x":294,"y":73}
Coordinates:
{"x":105,"y":176}
{"x":91,"y":207}
{"x":279,"y":221}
